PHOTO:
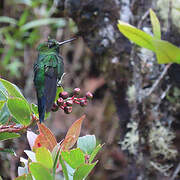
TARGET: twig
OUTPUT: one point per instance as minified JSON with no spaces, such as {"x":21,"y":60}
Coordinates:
{"x":163,"y":95}
{"x":10,"y":128}
{"x":175,"y":173}
{"x":143,"y":18}
{"x":155,"y":85}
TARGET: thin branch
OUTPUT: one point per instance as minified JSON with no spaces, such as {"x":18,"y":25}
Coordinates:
{"x":155,"y":85}
{"x":143,"y":18}
{"x":13,"y":128}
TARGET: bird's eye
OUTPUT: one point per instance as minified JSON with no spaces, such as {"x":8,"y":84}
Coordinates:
{"x":50,"y":44}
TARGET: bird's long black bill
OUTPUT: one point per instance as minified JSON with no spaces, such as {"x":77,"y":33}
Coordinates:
{"x":63,"y":42}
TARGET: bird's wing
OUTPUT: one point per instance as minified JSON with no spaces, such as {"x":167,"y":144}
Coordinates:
{"x":50,"y":84}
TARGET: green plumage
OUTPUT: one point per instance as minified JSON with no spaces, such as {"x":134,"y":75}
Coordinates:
{"x":48,"y":70}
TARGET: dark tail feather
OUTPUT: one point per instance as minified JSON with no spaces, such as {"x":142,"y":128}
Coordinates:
{"x":50,"y":90}
{"x":41,"y":108}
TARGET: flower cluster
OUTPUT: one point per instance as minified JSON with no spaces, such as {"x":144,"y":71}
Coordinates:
{"x":65,"y":101}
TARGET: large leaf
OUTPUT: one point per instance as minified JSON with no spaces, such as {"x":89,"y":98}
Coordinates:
{"x":20,"y":110}
{"x":166,"y":52}
{"x":83,"y":171}
{"x":45,"y":138}
{"x":87,"y":143}
{"x":7,"y":135}
{"x":72,"y":134}
{"x":43,"y":22}
{"x":12,"y":89}
{"x":136,"y":35}
{"x":155,"y":24}
{"x":39,"y":171}
{"x":44,"y":157}
{"x":74,"y":157}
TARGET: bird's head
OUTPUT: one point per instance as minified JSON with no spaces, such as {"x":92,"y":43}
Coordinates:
{"x":52,"y":45}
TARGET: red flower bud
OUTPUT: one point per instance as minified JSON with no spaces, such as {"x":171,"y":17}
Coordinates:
{"x":69,"y":103}
{"x":54,"y":107}
{"x":77,"y":91}
{"x":60,"y":101}
{"x":89,"y":95}
{"x":64,"y":95}
{"x":68,"y":109}
{"x":83,"y":103}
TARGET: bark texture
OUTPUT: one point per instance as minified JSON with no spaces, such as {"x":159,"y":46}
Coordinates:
{"x":138,"y":85}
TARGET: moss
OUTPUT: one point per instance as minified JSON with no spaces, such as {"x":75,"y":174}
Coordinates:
{"x":160,"y":141}
{"x":163,"y":7}
{"x":131,"y":139}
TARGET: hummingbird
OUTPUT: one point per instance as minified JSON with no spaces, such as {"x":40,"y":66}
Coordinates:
{"x":48,"y":71}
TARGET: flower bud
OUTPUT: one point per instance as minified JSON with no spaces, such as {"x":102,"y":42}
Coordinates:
{"x":68,"y":109}
{"x":69,"y":103}
{"x":54,"y":107}
{"x":89,"y":95}
{"x":64,"y":95}
{"x":83,"y":103}
{"x":60,"y":101}
{"x":77,"y":91}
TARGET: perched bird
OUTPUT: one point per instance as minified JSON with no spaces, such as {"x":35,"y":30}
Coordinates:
{"x":48,"y":70}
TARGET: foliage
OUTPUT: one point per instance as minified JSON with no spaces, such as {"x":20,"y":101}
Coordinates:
{"x":164,"y":50}
{"x":14,"y":108}
{"x":48,"y":157}
{"x":23,"y":31}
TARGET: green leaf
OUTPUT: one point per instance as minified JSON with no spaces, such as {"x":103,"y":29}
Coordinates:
{"x":5,"y":19}
{"x":155,"y":24}
{"x":7,"y":135}
{"x":20,"y":110}
{"x":24,"y":177}
{"x":3,"y":92}
{"x":136,"y":35}
{"x":74,"y":157}
{"x":65,"y":172}
{"x":96,"y":150}
{"x":1,"y":178}
{"x":12,"y":89}
{"x":59,"y":90}
{"x":44,"y":157}
{"x":166,"y":52}
{"x":87,"y":143}
{"x":4,"y":114}
{"x":55,"y":156}
{"x":39,"y":171}
{"x":2,"y":104}
{"x":83,"y":171}
{"x":42,"y":22}
{"x":10,"y":151}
